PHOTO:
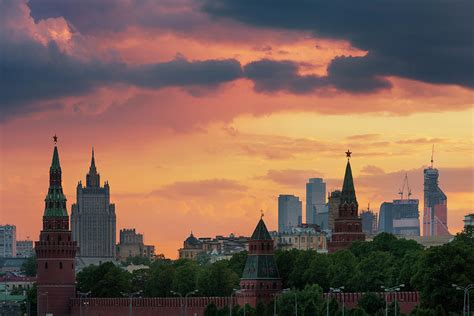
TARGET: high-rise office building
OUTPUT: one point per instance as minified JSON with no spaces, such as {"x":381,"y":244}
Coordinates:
{"x":369,"y":222}
{"x":334,"y":200}
{"x":316,"y":208}
{"x":386,"y":218}
{"x":7,"y":241}
{"x":93,"y":220}
{"x":435,"y":216}
{"x":400,"y":217}
{"x":289,"y":212}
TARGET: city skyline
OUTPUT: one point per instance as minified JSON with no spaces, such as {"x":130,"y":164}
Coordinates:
{"x":171,"y":252}
{"x":195,"y":132}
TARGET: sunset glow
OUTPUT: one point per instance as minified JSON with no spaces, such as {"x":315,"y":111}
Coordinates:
{"x":199,"y":119}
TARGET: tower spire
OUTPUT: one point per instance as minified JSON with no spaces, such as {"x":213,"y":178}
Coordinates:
{"x":93,"y":178}
{"x":348,"y":190}
{"x":55,"y":201}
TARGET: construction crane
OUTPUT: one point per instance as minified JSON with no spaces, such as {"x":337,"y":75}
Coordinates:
{"x":402,"y":190}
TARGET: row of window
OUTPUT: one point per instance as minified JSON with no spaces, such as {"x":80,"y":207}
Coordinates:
{"x":251,"y":286}
{"x":264,"y":246}
{"x":60,"y":265}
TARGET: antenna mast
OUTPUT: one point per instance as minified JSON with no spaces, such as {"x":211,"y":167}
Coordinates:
{"x":432,"y":154}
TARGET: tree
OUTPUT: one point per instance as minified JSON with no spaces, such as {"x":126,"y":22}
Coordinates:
{"x":341,"y":271}
{"x":137,"y":260}
{"x":237,"y":262}
{"x":318,"y":271}
{"x":285,"y":261}
{"x":371,"y":303}
{"x":28,"y":267}
{"x":159,"y":283}
{"x":297,"y":276}
{"x":374,"y":270}
{"x":217,"y":279}
{"x":105,"y":280}
{"x":185,"y":277}
{"x":31,"y":296}
{"x":438,"y":268}
{"x":211,"y":310}
{"x":357,"y":312}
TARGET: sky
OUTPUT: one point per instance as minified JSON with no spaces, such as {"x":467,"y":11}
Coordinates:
{"x":201,"y":112}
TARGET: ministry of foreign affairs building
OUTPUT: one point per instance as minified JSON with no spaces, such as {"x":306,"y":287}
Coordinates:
{"x":93,"y":221}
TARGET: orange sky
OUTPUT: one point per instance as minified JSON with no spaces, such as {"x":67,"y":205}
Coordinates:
{"x":181,"y":159}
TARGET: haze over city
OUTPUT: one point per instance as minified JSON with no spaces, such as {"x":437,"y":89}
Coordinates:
{"x":201,"y":116}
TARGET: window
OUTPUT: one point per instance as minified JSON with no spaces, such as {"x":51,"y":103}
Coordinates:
{"x":60,"y":265}
{"x":46,"y":265}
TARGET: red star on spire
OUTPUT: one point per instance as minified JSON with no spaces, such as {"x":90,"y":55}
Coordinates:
{"x":55,"y":139}
{"x":348,"y":154}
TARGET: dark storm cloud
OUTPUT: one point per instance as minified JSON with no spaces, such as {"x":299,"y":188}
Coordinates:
{"x":271,"y":76}
{"x":425,"y":40}
{"x":93,"y":17}
{"x":345,"y":74}
{"x":31,"y":72}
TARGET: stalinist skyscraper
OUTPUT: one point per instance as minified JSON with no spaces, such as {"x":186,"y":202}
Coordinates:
{"x":93,"y":220}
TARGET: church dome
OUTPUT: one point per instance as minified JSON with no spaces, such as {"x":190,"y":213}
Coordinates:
{"x":192,"y":241}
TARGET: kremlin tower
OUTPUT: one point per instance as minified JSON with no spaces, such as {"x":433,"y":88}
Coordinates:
{"x":55,"y":250}
{"x":260,"y":280}
{"x":347,"y":224}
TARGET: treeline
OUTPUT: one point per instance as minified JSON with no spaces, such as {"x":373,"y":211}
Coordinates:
{"x":364,"y":267}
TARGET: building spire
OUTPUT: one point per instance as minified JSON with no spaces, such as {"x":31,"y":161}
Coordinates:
{"x":348,"y":190}
{"x":93,"y":178}
{"x":55,"y":201}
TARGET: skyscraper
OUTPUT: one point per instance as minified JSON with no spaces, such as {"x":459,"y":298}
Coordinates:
{"x":289,"y":212}
{"x":386,"y":218}
{"x":316,"y":201}
{"x":400,"y":217}
{"x":7,"y":241}
{"x":93,"y":220}
{"x":435,"y":216}
{"x":347,"y":225}
{"x":334,"y":200}
{"x":369,"y":222}
{"x":55,"y":251}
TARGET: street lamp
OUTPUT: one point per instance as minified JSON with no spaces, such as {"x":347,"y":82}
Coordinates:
{"x":81,"y":297}
{"x":466,"y":305}
{"x":45,"y":294}
{"x":180,"y":300}
{"x":232,"y":294}
{"x":186,"y":300}
{"x":334,"y":290}
{"x":296,"y":300}
{"x":389,"y":290}
{"x":130,"y":295}
{"x":275,"y":301}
